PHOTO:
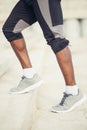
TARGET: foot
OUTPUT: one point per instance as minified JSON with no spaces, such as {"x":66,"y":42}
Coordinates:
{"x":27,"y":85}
{"x":69,"y":102}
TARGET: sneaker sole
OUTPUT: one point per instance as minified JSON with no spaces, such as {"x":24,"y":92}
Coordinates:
{"x":73,"y":107}
{"x":28,"y":89}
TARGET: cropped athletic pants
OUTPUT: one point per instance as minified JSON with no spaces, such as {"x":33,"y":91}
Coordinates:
{"x":49,"y":15}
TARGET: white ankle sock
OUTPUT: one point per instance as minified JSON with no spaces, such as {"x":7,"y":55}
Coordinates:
{"x":29,"y":72}
{"x":72,"y":90}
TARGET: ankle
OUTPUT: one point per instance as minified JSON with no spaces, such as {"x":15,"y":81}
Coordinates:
{"x":73,"y":89}
{"x":29,"y":72}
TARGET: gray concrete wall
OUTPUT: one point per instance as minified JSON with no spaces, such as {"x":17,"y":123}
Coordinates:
{"x":75,"y":8}
{"x":72,"y":8}
{"x":75,"y":13}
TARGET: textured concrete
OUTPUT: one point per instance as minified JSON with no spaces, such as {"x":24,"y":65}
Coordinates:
{"x":72,"y":28}
{"x":18,"y":111}
{"x":84,"y":27}
{"x":72,"y":10}
{"x":32,"y":111}
{"x":51,"y":92}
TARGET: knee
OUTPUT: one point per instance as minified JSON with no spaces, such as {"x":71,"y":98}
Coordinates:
{"x":9,"y":34}
{"x":57,"y":44}
{"x":5,"y":30}
{"x":56,"y":39}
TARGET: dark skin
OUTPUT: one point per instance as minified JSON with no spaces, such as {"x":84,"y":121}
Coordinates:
{"x":63,"y":58}
{"x":20,"y":50}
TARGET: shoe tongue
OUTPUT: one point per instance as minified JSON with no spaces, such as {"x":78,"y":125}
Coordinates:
{"x":64,"y":98}
{"x":67,"y":94}
{"x":23,"y":77}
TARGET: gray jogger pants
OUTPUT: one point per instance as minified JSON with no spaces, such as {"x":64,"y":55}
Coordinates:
{"x":49,"y":15}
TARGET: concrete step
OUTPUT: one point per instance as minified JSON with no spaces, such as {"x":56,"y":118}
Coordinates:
{"x":84,"y":27}
{"x":6,"y":61}
{"x":51,"y":93}
{"x":17,"y":112}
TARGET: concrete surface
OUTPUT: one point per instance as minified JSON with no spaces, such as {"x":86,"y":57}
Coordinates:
{"x":17,"y":111}
{"x":32,"y":111}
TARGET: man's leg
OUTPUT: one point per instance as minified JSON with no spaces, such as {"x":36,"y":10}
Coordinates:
{"x":21,"y":17}
{"x":20,"y":50}
{"x":51,"y":23}
{"x":52,"y":29}
{"x":65,"y":62}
